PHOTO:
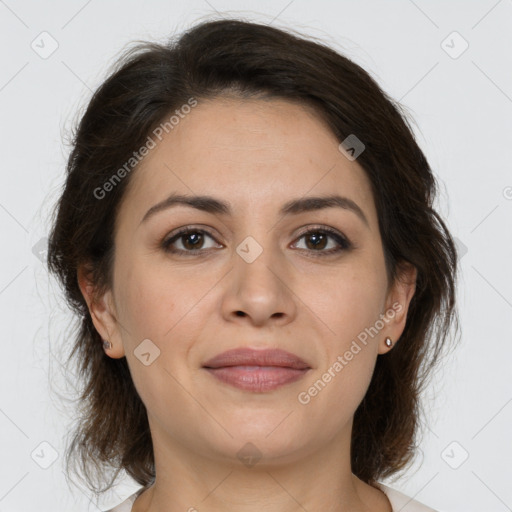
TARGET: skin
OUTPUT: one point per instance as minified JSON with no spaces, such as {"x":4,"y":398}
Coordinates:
{"x":256,"y":155}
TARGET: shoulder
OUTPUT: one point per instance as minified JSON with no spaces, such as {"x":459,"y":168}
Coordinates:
{"x":401,"y":502}
{"x":127,"y":504}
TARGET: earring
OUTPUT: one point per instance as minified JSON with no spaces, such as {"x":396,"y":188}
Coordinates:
{"x":106,"y":344}
{"x":389,"y":342}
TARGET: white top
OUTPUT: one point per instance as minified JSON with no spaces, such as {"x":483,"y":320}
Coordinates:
{"x":399,"y":502}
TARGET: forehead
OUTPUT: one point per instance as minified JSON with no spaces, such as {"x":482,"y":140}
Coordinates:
{"x":251,"y":153}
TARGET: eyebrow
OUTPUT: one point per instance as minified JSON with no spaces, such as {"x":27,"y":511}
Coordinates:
{"x":212,"y":205}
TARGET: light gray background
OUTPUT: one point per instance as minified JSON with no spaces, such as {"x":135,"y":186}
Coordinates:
{"x":462,"y":109}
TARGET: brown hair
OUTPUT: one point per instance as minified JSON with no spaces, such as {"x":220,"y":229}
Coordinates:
{"x":213,"y":58}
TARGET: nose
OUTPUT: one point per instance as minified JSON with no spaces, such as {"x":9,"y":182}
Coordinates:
{"x":259,"y":291}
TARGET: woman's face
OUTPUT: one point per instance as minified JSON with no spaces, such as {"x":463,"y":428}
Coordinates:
{"x":256,"y":280}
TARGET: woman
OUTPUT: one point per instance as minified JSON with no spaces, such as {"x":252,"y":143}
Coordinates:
{"x":247,"y":236}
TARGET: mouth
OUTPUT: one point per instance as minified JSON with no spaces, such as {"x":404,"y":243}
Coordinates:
{"x":257,"y":370}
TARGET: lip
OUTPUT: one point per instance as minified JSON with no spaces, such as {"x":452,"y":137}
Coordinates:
{"x":257,"y":370}
{"x":245,"y":356}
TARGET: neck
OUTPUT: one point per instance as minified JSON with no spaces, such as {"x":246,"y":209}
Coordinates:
{"x":321,"y":480}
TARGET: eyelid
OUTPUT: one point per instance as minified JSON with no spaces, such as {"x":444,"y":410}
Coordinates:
{"x":203,"y":228}
{"x":343,"y":242}
{"x":341,"y":239}
{"x":177,"y":233}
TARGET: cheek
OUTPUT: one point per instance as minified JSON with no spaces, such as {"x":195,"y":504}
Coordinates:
{"x":151,"y":309}
{"x":348,"y":303}
{"x":330,"y":399}
{"x":351,"y":304}
{"x":146,"y":303}
{"x":342,"y":379}
{"x":164,"y":307}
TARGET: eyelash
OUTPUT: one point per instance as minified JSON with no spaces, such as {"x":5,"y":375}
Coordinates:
{"x":343,"y":243}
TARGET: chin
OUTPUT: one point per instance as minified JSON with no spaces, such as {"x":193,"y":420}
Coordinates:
{"x":256,"y":439}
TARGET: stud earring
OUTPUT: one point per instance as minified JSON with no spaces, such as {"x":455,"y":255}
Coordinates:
{"x":389,"y":342}
{"x":107,"y":345}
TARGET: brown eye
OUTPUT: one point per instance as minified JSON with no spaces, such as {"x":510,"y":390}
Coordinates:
{"x":316,"y":240}
{"x":191,"y":240}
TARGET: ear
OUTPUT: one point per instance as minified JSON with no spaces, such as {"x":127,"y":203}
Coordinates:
{"x":397,"y":304}
{"x":102,"y":311}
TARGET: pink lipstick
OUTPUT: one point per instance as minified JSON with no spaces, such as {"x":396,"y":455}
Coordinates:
{"x":257,"y":370}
